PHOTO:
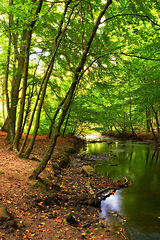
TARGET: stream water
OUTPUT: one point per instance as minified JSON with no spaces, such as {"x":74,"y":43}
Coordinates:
{"x":139,"y":203}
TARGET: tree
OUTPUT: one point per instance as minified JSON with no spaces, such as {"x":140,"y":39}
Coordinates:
{"x":76,"y":79}
{"x":29,"y":31}
{"x":112,"y":91}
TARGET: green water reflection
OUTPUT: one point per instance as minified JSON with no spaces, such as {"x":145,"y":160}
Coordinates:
{"x":139,"y":203}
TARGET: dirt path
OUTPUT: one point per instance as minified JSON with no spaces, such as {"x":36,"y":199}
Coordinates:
{"x":28,"y":211}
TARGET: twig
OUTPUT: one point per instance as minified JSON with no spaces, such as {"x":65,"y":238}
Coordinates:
{"x":105,"y":189}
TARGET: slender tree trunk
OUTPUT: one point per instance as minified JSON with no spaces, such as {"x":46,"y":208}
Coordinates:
{"x":46,"y":78}
{"x":5,"y":125}
{"x":55,"y":115}
{"x":133,"y":134}
{"x":3,"y":99}
{"x":69,"y":112}
{"x":31,"y":119}
{"x":47,"y":156}
{"x":155,"y":138}
{"x":10,"y":131}
{"x":29,"y":127}
{"x":28,"y":108}
{"x":148,"y":119}
{"x":157,"y":122}
{"x":66,"y":123}
{"x":25,"y":77}
{"x":24,"y":88}
{"x":29,"y":103}
{"x":117,"y":129}
{"x":156,"y":117}
{"x":31,"y":143}
{"x":76,"y":79}
{"x":17,"y":78}
{"x":12,"y":107}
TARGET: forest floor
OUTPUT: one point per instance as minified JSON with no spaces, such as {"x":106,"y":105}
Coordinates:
{"x":61,"y":207}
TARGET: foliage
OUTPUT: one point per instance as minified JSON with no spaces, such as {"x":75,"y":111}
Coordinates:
{"x":121,"y":80}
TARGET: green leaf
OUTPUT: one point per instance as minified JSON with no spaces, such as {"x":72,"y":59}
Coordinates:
{"x":43,"y":223}
{"x":88,"y":232}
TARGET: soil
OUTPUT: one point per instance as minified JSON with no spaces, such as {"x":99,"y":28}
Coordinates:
{"x":59,"y":205}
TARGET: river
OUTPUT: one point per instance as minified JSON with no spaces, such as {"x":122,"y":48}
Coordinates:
{"x":138,"y":204}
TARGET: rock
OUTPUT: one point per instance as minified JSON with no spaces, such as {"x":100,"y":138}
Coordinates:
{"x":88,"y":170}
{"x":70,"y":219}
{"x":7,"y":220}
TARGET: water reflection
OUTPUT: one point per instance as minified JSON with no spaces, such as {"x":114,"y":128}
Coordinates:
{"x":140,"y":203}
{"x":111,"y":203}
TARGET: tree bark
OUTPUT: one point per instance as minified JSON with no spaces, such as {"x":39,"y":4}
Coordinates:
{"x":148,"y":119}
{"x":55,"y":115}
{"x":24,"y":88}
{"x":155,"y":138}
{"x":25,"y":78}
{"x":10,"y":131}
{"x":157,"y":120}
{"x":17,"y":80}
{"x":46,"y":78}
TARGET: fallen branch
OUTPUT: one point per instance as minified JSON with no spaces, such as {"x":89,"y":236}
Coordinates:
{"x":106,"y":189}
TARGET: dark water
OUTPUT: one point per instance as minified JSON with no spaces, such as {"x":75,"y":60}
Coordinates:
{"x":139,"y":204}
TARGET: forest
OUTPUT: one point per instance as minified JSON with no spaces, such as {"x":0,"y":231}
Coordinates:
{"x":77,"y":67}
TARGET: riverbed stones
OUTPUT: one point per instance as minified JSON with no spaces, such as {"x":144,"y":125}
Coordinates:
{"x":88,"y":170}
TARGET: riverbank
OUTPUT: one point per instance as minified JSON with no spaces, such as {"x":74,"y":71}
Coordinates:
{"x":60,"y":206}
{"x":147,"y":137}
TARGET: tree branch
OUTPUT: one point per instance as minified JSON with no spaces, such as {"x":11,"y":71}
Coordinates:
{"x":135,"y":56}
{"x":132,"y":14}
{"x":128,"y":55}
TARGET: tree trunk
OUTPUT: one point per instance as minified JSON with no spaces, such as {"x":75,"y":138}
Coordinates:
{"x":155,"y":138}
{"x":25,"y":77}
{"x":24,"y":88}
{"x":117,"y":129}
{"x":3,"y":99}
{"x":28,"y":108}
{"x":69,"y":112}
{"x":46,"y":78}
{"x":31,"y":120}
{"x":157,"y":120}
{"x":66,"y":123}
{"x":31,"y":143}
{"x":5,"y":125}
{"x":133,"y":133}
{"x":55,"y":115}
{"x":148,"y":118}
{"x":76,"y":79}
{"x":10,"y":130}
{"x":17,"y":80}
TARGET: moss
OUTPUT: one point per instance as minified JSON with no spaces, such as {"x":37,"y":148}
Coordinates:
{"x":4,"y":216}
{"x":46,"y":184}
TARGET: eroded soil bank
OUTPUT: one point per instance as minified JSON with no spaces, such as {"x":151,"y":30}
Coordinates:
{"x":64,"y":206}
